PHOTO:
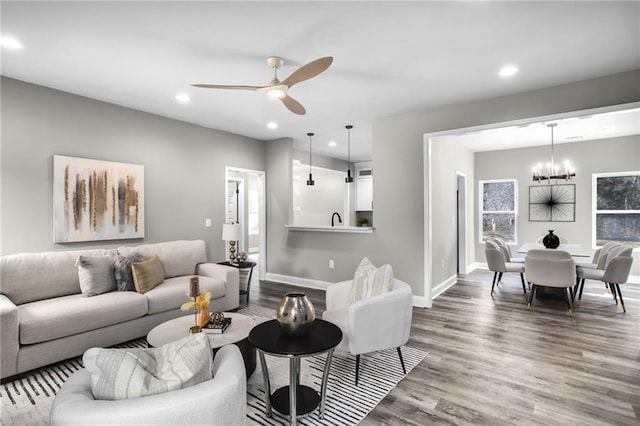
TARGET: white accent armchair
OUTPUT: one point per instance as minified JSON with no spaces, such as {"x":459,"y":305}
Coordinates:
{"x":374,"y":324}
{"x":219,"y":401}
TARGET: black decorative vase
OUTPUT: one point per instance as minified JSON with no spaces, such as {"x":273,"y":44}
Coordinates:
{"x":295,"y":314}
{"x":551,"y":240}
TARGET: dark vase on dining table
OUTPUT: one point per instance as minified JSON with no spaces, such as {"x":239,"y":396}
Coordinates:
{"x":551,"y":240}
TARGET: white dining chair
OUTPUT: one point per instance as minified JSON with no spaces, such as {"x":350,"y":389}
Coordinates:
{"x":506,"y":251}
{"x":599,"y":257}
{"x":496,"y":263}
{"x":551,"y":268}
{"x":615,"y":272}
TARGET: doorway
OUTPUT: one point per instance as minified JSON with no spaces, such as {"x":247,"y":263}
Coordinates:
{"x":245,"y":204}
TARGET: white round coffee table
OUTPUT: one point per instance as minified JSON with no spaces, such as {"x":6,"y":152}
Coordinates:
{"x":237,"y":333}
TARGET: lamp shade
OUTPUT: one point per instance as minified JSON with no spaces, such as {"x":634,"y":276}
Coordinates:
{"x":231,"y":232}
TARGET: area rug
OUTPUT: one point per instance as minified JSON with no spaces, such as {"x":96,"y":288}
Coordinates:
{"x":27,"y":401}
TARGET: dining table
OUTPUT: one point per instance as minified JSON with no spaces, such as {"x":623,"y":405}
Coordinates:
{"x":575,"y":250}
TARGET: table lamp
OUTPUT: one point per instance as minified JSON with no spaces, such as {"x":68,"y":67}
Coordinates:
{"x":232,"y":232}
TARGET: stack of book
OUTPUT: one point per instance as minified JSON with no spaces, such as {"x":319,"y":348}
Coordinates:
{"x":217,"y":327}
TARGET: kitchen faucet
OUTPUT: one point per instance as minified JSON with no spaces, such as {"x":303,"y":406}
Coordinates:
{"x":333,"y":216}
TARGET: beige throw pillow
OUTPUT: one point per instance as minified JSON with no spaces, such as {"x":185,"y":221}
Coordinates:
{"x":369,"y":281}
{"x":147,"y":274}
{"x":134,"y":372}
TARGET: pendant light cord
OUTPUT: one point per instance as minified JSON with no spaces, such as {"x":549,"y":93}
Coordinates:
{"x":349,"y":178}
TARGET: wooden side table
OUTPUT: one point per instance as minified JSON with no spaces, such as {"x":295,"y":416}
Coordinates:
{"x":243,"y":266}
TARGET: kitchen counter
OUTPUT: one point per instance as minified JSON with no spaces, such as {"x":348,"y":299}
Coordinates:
{"x":328,"y":228}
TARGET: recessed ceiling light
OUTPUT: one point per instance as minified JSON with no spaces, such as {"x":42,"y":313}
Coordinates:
{"x":10,"y":43}
{"x":272,"y":125}
{"x":332,"y":144}
{"x":183,"y":98}
{"x":508,"y":71}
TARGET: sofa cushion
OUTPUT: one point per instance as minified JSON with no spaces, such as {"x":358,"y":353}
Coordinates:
{"x":28,"y":277}
{"x":123,"y":272}
{"x":147,"y":274}
{"x":64,"y":316}
{"x":172,"y":293}
{"x":133,"y":372}
{"x":96,"y":275}
{"x":370,"y":281}
{"x":178,"y":257}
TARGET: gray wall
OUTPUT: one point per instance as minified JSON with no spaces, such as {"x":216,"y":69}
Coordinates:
{"x":608,"y":155}
{"x":398,"y":151}
{"x":184,"y":166}
{"x":443,"y":199}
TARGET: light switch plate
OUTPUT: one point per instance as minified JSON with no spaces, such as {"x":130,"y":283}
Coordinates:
{"x":207,"y":222}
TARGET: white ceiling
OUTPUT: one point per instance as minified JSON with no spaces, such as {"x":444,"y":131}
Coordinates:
{"x":389,"y":57}
{"x":578,"y":128}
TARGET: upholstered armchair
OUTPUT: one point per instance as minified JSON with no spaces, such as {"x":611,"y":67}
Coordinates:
{"x":599,"y":257}
{"x":615,"y":271}
{"x":498,"y":265}
{"x":506,"y":251}
{"x":219,"y":401}
{"x":373,"y":324}
{"x":551,"y":268}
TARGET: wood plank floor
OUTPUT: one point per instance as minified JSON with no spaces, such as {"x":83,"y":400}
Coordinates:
{"x":493,"y":362}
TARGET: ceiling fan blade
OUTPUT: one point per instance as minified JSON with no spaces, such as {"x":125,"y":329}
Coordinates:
{"x":224,"y":86}
{"x":293,"y":105}
{"x":308,"y":71}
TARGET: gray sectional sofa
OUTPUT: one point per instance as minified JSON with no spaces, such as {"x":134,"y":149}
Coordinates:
{"x":44,"y":317}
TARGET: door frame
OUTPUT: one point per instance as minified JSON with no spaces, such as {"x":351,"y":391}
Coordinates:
{"x":262,"y":213}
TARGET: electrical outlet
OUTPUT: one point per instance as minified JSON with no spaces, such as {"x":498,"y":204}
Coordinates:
{"x":331,"y":264}
{"x":442,"y":263}
{"x":207,"y":222}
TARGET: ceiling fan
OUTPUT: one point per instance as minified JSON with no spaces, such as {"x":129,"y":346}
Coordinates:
{"x":278,"y":89}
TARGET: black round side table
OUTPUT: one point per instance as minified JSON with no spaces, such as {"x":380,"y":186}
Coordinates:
{"x":295,"y":399}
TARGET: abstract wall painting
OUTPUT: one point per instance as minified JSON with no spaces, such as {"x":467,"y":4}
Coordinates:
{"x":552,"y":203}
{"x":97,"y":200}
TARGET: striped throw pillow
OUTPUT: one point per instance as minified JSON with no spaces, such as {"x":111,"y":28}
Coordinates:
{"x":134,"y":372}
{"x":369,"y":281}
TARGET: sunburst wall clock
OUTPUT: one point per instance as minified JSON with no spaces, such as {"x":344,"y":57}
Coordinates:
{"x":552,"y":203}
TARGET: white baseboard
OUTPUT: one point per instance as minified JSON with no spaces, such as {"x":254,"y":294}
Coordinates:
{"x":300,"y":282}
{"x":474,"y":266}
{"x":440,"y":288}
{"x":420,"y":302}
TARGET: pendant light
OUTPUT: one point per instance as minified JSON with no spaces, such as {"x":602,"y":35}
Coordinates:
{"x":349,"y":178}
{"x":553,"y":170}
{"x":310,"y":182}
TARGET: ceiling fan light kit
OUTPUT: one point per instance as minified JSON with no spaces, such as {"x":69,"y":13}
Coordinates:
{"x":280,"y":89}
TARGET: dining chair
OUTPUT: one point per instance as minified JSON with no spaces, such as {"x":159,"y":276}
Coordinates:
{"x":506,"y":251}
{"x":553,"y":254}
{"x":599,"y":257}
{"x":616,"y":271}
{"x":550,"y":268}
{"x":496,"y":263}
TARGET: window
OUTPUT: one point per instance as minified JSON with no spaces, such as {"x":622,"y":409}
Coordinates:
{"x":616,"y":210}
{"x":498,"y":209}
